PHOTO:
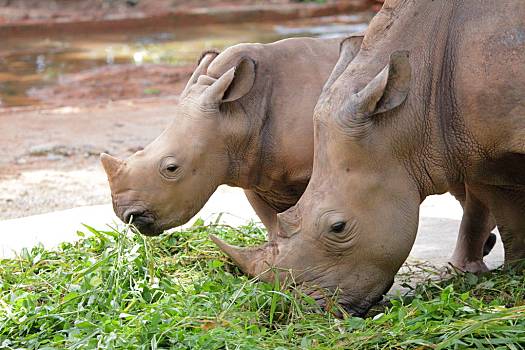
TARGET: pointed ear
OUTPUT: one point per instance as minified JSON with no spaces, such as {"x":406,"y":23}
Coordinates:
{"x":387,"y":90}
{"x":348,"y":49}
{"x":233,"y":84}
{"x":202,"y":66}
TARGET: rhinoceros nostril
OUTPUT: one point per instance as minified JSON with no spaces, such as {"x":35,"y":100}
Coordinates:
{"x":130,"y":214}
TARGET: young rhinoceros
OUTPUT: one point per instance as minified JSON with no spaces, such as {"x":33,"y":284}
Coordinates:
{"x":244,"y":119}
{"x":434,"y":101}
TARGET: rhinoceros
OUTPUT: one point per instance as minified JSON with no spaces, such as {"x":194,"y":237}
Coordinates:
{"x":433,"y":101}
{"x":244,"y":119}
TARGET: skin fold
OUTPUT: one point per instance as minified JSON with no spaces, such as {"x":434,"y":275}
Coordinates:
{"x":433,"y":102}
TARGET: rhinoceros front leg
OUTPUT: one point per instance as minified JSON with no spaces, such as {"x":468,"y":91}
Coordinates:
{"x":267,"y":214}
{"x":475,"y":239}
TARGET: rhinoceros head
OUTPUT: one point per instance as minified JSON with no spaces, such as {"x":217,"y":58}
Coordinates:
{"x":355,"y":224}
{"x":168,"y":182}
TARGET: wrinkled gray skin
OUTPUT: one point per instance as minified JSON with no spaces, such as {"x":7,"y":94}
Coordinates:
{"x":434,"y":100}
{"x":244,"y":119}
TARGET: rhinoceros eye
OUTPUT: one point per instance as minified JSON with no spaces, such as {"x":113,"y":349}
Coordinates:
{"x":338,"y":227}
{"x":169,"y":168}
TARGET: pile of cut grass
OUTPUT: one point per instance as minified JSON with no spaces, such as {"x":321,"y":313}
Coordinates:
{"x":118,"y":290}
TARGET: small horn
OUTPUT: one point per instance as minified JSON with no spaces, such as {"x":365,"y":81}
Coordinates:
{"x":111,"y":164}
{"x":252,"y":261}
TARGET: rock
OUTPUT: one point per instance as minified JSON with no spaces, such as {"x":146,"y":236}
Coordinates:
{"x":50,"y":149}
{"x":91,"y":150}
{"x":135,"y":148}
{"x":58,"y":151}
{"x":54,"y":157}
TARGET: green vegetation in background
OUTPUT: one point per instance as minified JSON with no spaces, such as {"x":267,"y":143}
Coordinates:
{"x":119,"y":290}
{"x":151,"y":91}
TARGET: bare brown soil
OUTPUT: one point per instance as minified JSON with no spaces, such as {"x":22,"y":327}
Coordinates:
{"x":49,"y":158}
{"x":73,"y":135}
{"x":26,"y":10}
{"x":116,"y":109}
{"x":116,"y":82}
{"x":31,"y":17}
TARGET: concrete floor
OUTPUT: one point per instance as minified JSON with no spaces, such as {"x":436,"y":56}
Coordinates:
{"x":439,"y":222}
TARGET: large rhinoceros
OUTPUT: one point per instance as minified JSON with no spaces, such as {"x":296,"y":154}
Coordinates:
{"x":434,"y":100}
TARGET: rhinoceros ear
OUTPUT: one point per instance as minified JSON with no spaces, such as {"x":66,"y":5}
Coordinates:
{"x":386,"y":91}
{"x":233,"y":84}
{"x":202,"y":66}
{"x":348,"y":49}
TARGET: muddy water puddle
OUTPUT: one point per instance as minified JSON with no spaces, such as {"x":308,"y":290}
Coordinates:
{"x":29,"y":63}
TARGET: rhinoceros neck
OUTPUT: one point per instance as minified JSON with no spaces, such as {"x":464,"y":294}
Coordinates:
{"x":261,"y":161}
{"x":448,"y":131}
{"x":274,"y":156}
{"x":426,"y":123}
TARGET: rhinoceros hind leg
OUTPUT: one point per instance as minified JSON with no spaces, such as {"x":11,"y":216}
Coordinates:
{"x":508,"y":206}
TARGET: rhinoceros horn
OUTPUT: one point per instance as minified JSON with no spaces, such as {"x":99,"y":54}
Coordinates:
{"x":253,"y":261}
{"x":110,"y":164}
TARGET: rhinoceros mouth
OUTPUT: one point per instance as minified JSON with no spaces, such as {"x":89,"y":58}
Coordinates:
{"x":143,"y":220}
{"x":147,"y":226}
{"x":361,"y":308}
{"x":356,"y":311}
{"x":338,"y":305}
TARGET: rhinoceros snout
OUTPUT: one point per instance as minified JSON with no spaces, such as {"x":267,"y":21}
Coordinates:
{"x":142,"y":220}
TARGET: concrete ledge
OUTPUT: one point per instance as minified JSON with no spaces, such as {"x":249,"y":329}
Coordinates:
{"x":438,"y":225}
{"x":53,"y":228}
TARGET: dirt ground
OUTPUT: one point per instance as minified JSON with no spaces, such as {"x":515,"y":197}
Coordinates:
{"x":116,"y":82}
{"x":20,"y":12}
{"x":49,"y":159}
{"x":24,"y":10}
